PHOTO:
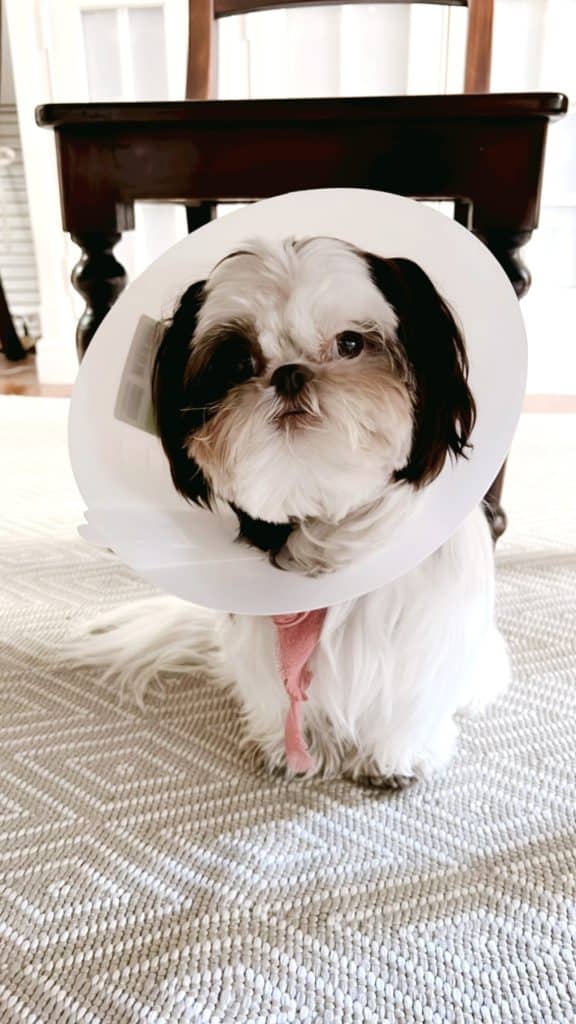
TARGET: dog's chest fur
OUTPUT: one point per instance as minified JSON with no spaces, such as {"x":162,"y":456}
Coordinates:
{"x":392,"y":663}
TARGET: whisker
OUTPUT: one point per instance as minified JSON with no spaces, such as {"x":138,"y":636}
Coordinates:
{"x":200,"y":408}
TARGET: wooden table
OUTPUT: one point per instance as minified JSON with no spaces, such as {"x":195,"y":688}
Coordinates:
{"x":485,"y":151}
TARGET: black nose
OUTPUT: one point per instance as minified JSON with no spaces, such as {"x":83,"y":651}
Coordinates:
{"x":290,"y":379}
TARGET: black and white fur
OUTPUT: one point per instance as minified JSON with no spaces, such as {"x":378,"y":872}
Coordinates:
{"x":318,"y":389}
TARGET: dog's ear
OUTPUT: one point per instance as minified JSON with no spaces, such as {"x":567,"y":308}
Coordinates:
{"x":176,"y":407}
{"x":445,"y":410}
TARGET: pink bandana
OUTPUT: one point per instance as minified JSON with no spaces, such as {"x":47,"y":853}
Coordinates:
{"x":297,"y":636}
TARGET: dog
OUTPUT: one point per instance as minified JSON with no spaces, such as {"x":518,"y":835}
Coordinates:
{"x":318,"y":389}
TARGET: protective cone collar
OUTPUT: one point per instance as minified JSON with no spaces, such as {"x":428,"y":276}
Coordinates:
{"x":122,"y":472}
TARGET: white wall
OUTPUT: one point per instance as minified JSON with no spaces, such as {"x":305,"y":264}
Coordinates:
{"x":7,"y":94}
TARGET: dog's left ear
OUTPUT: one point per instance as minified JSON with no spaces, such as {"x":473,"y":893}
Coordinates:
{"x":177,"y":410}
{"x":445,"y":410}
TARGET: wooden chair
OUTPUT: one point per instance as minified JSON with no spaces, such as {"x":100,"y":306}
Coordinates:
{"x":486,"y":152}
{"x":203,"y":17}
{"x":202,"y":37}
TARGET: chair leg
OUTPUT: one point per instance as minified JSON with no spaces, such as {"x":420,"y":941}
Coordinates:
{"x":505,"y":246}
{"x":12,"y":347}
{"x":495,"y":514}
{"x":199,"y":214}
{"x":463,"y":212}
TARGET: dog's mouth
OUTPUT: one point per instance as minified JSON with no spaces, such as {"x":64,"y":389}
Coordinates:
{"x":295,"y":415}
{"x":293,"y":412}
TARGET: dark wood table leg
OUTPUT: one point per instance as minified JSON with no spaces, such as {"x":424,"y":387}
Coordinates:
{"x":505,"y":246}
{"x":99,"y":278}
{"x":199,"y":214}
{"x":495,"y":514}
{"x":11,"y":345}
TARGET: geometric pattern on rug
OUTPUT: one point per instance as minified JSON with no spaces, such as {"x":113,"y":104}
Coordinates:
{"x":150,"y":873}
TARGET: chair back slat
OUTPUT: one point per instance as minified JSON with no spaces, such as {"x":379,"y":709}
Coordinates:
{"x":200,"y":69}
{"x":202,"y":15}
{"x":225,"y":8}
{"x":479,"y":46}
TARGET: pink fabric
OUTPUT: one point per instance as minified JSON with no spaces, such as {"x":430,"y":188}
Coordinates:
{"x":297,"y":636}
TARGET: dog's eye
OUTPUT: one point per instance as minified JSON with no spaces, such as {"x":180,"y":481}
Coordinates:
{"x":232,"y":363}
{"x":349,"y":344}
{"x":243,"y":368}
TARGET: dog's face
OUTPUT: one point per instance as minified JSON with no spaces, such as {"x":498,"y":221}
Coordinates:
{"x":304,"y":378}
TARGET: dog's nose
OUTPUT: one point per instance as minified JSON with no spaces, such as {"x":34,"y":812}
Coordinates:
{"x":289,"y":380}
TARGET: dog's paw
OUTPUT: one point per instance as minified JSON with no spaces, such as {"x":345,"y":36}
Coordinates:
{"x":300,"y":555}
{"x":396,"y":770}
{"x":389,"y":782}
{"x":267,"y":757}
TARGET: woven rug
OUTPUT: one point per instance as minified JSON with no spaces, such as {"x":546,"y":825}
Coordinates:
{"x":148,"y":873}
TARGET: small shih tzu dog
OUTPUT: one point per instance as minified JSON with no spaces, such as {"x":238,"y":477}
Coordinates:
{"x":317,"y":389}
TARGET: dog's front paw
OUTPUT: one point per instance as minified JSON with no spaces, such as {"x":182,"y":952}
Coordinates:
{"x":300,"y":554}
{"x":266,"y":755}
{"x":389,"y":782}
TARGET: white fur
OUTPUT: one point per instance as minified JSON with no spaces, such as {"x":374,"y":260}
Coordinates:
{"x":298,"y":294}
{"x":296,"y":297}
{"x":392,"y":667}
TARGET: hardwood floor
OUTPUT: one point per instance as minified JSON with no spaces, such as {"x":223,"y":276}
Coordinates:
{"x":21,"y":379}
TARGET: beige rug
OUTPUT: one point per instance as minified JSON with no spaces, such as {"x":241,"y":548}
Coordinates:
{"x":147,"y":874}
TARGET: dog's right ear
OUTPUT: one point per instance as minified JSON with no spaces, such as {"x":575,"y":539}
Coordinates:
{"x":444,"y":409}
{"x":174,"y":409}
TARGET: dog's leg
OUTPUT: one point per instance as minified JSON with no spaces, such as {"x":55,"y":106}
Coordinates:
{"x":491,"y":675}
{"x":395,"y":767}
{"x":249,"y":644}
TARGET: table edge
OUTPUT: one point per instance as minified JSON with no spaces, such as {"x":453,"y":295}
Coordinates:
{"x":490,"y":106}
